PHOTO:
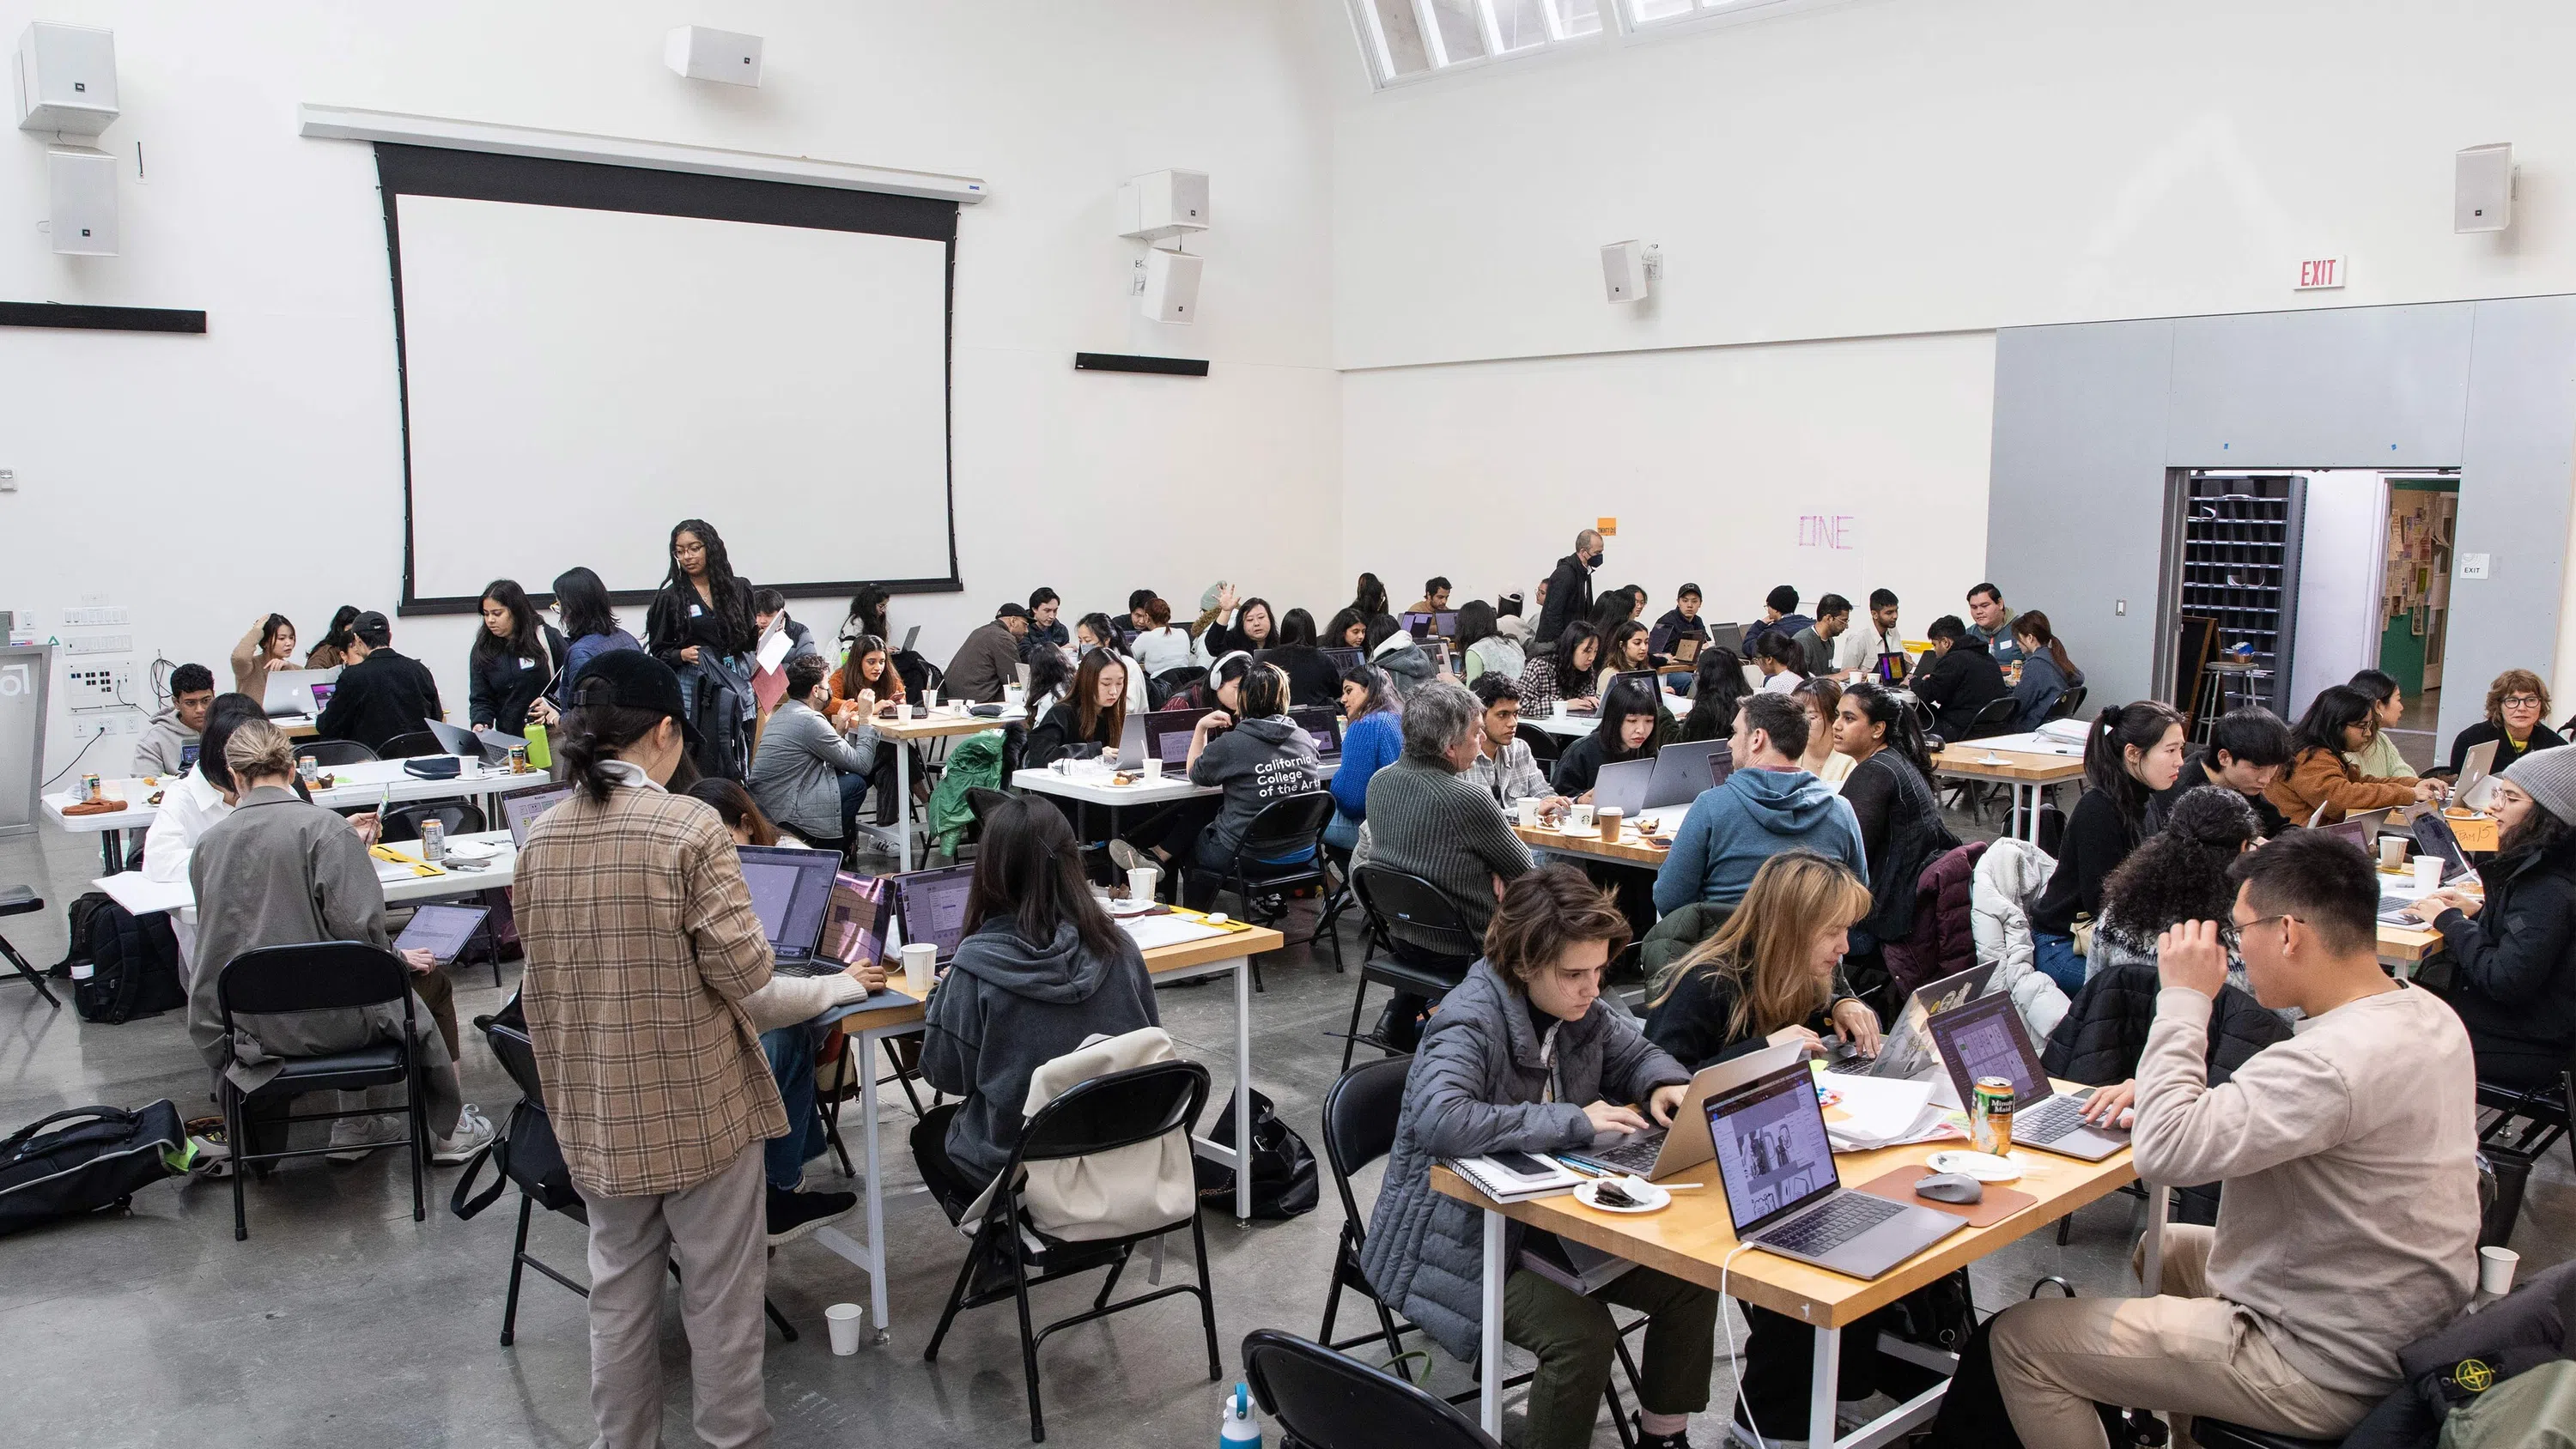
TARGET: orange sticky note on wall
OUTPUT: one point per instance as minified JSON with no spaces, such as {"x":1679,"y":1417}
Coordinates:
{"x":1607,"y":527}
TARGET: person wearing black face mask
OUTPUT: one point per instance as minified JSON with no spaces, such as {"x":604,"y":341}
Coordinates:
{"x":1569,"y":589}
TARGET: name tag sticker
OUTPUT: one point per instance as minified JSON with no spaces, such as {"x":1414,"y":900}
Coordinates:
{"x":527,"y":664}
{"x":695,"y":610}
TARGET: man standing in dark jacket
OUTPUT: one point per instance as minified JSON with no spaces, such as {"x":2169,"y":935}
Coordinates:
{"x":1961,"y":679}
{"x":381,"y":694}
{"x":1569,"y":589}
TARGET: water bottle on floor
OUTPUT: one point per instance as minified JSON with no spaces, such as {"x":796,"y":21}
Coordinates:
{"x":1240,"y":1429}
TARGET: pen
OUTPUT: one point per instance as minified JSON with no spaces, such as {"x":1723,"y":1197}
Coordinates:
{"x":1586,"y":1164}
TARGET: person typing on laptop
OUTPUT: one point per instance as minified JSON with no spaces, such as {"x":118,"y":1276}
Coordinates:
{"x":1632,"y":726}
{"x":2348,"y":1154}
{"x":1524,"y":1056}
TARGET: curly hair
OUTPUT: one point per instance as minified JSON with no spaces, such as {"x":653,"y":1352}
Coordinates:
{"x":2515,"y":681}
{"x":2180,"y":872}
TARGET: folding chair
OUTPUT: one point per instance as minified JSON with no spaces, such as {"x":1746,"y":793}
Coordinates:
{"x":1327,"y":1400}
{"x":1281,"y":849}
{"x":1389,"y":896}
{"x":20,"y":901}
{"x":328,"y":753}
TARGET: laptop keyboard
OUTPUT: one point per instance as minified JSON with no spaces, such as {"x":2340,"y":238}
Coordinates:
{"x":810,"y":966}
{"x":2055,"y":1118}
{"x":1839,"y":1221}
{"x":1636,"y":1156}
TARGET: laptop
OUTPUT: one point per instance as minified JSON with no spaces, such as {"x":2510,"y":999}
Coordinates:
{"x":1729,"y":637}
{"x":1438,"y":650}
{"x":442,"y":931}
{"x":1167,"y":736}
{"x":521,"y":810}
{"x":1685,"y":649}
{"x":1906,"y":1053}
{"x":1322,"y":724}
{"x":1342,"y":660}
{"x":909,"y":636}
{"x":1777,"y":1166}
{"x":931,"y":906}
{"x":2472,"y":790}
{"x":1658,"y":1152}
{"x":1985,"y":1038}
{"x":1131,"y":742}
{"x":1417,"y":625}
{"x":791,"y":892}
{"x":188,"y":757}
{"x":1686,"y":768}
{"x":291,"y":691}
{"x":488,"y":745}
{"x":2361,"y":832}
{"x":1622,"y":786}
{"x":2433,"y":837}
{"x":854,"y":920}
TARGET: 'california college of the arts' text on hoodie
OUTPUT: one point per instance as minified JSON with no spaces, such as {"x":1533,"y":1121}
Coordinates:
{"x":1734,"y":827}
{"x":1255,"y":762}
{"x":1007,"y":1007}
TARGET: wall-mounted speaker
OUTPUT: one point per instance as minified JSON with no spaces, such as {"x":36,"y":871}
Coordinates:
{"x":713,"y":55}
{"x":2482,"y":188}
{"x":1171,"y":292}
{"x":66,"y":79}
{"x":81,"y":188}
{"x":1160,"y":205}
{"x":1628,"y":269}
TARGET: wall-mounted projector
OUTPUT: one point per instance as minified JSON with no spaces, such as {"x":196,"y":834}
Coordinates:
{"x":66,"y":79}
{"x":713,"y":55}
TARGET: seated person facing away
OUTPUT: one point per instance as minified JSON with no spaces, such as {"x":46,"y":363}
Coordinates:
{"x":2339,"y":723}
{"x":2348,"y":1155}
{"x":1681,"y":621}
{"x":1717,"y":686}
{"x":590,"y":629}
{"x":1372,"y":736}
{"x":2046,"y":672}
{"x":1093,"y":715}
{"x":1779,"y":612}
{"x":1042,"y":968}
{"x":2516,"y":704}
{"x":1859,"y":650}
{"x":166,"y":739}
{"x":989,"y":659}
{"x":1632,"y":726}
{"x":2387,"y":708}
{"x":1563,"y":673}
{"x":2247,"y":750}
{"x":1958,"y":681}
{"x":1992,"y":625}
{"x":1256,"y":757}
{"x":1160,"y":645}
{"x":1407,"y":664}
{"x":1767,"y":805}
{"x":1833,"y":621}
{"x":806,"y":774}
{"x":1524,"y":1056}
{"x":1782,"y":660}
{"x":1312,"y":679}
{"x":1482,"y":644}
{"x":381,"y":695}
{"x":2512,"y":957}
{"x":1505,"y":768}
{"x":2131,"y":752}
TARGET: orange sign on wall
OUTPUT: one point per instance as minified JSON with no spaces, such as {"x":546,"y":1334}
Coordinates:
{"x":1607,"y":527}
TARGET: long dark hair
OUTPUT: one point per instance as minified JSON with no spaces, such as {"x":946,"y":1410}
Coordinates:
{"x":1104,"y":635}
{"x":592,"y":734}
{"x":583,"y":601}
{"x":338,"y":635}
{"x":2180,"y":872}
{"x":268,"y":631}
{"x":1475,"y":623}
{"x":1029,"y":870}
{"x":525,"y":642}
{"x":1087,"y":710}
{"x":1625,"y":698}
{"x":1380,"y":685}
{"x":731,"y":600}
{"x":1717,"y":687}
{"x":2116,"y":730}
{"x":1370,"y":597}
{"x":1571,"y":679}
{"x":1880,"y":706}
{"x":735,"y":807}
{"x":1619,"y":638}
{"x":1297,"y":627}
{"x":1047,"y":674}
{"x":852,"y":681}
{"x":2035,"y":624}
{"x":868,"y":613}
{"x":229,"y":712}
{"x":1612,"y":610}
{"x":2539,"y":830}
{"x":1340,"y":629}
{"x":1783,"y":648}
{"x":2337,"y":707}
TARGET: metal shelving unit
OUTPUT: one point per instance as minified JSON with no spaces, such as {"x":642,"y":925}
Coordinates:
{"x":2240,"y":566}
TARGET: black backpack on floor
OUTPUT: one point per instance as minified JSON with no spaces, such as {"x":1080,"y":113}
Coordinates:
{"x":1283,"y":1167}
{"x":93,"y":1158}
{"x":134,"y":963}
{"x":80,"y":925}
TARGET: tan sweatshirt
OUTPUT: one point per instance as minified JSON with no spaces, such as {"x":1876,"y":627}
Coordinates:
{"x":2349,"y":1222}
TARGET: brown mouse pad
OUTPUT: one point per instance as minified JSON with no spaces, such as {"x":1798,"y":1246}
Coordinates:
{"x":1999,"y":1203}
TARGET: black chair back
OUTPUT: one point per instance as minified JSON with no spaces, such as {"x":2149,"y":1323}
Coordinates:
{"x":1326,"y":1400}
{"x":322,"y":976}
{"x":2069,"y":705}
{"x":518,"y":1057}
{"x":1996,"y":716}
{"x":1287,"y":826}
{"x":1544,"y":747}
{"x":327,"y":753}
{"x":412,"y":746}
{"x":1114,"y":1111}
{"x":1360,"y":1114}
{"x":1392,"y":895}
{"x":454,"y":816}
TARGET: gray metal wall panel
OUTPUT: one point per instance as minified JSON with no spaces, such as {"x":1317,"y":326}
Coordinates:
{"x":2517,"y":464}
{"x":2077,"y":503}
{"x":2366,"y":387}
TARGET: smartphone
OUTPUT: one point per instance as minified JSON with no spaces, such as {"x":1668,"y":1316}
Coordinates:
{"x":1522,"y":1164}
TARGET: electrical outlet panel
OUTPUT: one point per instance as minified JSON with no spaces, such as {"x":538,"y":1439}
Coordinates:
{"x":92,"y":688}
{"x":100,"y":644}
{"x":93,"y":617}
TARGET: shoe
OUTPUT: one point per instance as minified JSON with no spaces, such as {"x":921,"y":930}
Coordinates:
{"x":473,"y":1133}
{"x":1128,"y":857}
{"x":1645,"y":1440}
{"x":352,"y":1138}
{"x":794,"y":1215}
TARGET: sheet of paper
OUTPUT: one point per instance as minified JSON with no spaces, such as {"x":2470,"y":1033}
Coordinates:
{"x":1152,"y":931}
{"x":774,"y":647}
{"x":1873,"y":1110}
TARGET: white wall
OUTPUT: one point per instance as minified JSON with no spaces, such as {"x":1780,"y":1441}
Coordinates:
{"x":200,"y":481}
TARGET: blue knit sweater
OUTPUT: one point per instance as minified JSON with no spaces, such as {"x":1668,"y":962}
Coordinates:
{"x":1370,"y":744}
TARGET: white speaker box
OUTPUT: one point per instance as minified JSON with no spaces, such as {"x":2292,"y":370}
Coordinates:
{"x":82,"y":187}
{"x":1625,"y":274}
{"x":1171,"y":286}
{"x":713,"y":55}
{"x":1160,"y":205}
{"x":2482,"y":188}
{"x":66,"y":79}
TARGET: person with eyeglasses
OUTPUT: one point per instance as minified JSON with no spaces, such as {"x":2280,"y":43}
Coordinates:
{"x":2516,"y":704}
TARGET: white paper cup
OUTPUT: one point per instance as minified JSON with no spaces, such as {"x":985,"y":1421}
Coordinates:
{"x":2495,"y":1269}
{"x":1141,"y":882}
{"x":2428,"y":872}
{"x":1560,"y":709}
{"x":848,"y":1321}
{"x":1529,"y":808}
{"x":1153,"y":769}
{"x":930,"y":699}
{"x":920,"y":965}
{"x":2392,"y":851}
{"x":1578,"y":817}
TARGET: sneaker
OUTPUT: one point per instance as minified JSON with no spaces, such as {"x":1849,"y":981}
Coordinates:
{"x":1645,"y":1440}
{"x":352,"y":1138}
{"x":794,"y":1215}
{"x":473,"y":1133}
{"x":1128,"y":857}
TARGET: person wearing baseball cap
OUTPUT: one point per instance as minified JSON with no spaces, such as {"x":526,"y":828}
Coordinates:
{"x":2513,"y":955}
{"x":990,"y":657}
{"x":648,"y":983}
{"x":380,"y":695}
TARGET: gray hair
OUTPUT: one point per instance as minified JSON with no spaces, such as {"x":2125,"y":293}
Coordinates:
{"x":1439,"y":715}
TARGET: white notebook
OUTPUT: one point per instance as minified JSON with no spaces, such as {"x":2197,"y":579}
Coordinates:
{"x":1509,"y":1182}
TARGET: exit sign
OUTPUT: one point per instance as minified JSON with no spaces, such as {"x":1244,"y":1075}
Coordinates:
{"x":2319,"y":273}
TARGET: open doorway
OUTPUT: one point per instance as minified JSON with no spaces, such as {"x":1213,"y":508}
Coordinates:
{"x":2415,"y":603}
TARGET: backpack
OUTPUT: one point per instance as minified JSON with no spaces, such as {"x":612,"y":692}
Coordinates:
{"x":524,"y":1152}
{"x":1283,"y":1167}
{"x":134,"y":968}
{"x":80,"y":922}
{"x":98,"y":1160}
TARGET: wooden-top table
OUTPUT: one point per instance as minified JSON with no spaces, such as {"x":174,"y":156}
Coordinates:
{"x":942,"y":721}
{"x":1631,"y":848}
{"x":1694,"y":1240}
{"x":2031,"y":770}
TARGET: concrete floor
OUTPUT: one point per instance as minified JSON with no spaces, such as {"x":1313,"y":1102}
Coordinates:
{"x":342,"y":1321}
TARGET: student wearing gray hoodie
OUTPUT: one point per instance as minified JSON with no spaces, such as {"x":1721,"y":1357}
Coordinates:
{"x":1257,"y":760}
{"x":1392,"y":649}
{"x":1766,"y":806}
{"x":1042,"y":968}
{"x":164,"y":746}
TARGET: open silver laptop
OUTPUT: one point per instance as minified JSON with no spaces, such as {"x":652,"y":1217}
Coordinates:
{"x":1907,"y":1052}
{"x":1985,"y":1038}
{"x":1661,"y":1152}
{"x":1621,"y":786}
{"x":292,"y":691}
{"x":2472,"y":789}
{"x":1686,"y":769}
{"x":1777,"y":1165}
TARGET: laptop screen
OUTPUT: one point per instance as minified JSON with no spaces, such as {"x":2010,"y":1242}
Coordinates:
{"x":521,"y":810}
{"x":932,"y":906}
{"x":854,"y":923}
{"x":790,"y":890}
{"x":1729,"y":637}
{"x":1341,"y":659}
{"x":1771,"y":1146}
{"x":322,"y":696}
{"x":2434,"y":836}
{"x":2355,"y":833}
{"x":1420,"y":626}
{"x":188,"y":757}
{"x":1983,"y":1038}
{"x":1322,"y":725}
{"x":440,"y":930}
{"x":1167,"y":735}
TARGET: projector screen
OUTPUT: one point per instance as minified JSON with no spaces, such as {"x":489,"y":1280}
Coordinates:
{"x":591,"y":354}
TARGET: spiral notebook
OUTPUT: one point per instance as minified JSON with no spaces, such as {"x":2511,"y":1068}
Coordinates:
{"x":1514,"y":1176}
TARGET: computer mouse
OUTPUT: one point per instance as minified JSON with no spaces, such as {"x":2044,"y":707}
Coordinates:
{"x":1955,"y":1187}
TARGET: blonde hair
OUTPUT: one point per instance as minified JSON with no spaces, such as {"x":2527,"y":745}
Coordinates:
{"x":1763,"y":948}
{"x":258,"y":750}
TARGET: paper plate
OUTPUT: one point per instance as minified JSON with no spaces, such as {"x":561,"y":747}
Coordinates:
{"x":1983,"y":1166}
{"x":1650,"y":1197}
{"x":473,"y":850}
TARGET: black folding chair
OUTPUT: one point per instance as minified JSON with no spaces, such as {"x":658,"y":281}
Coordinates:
{"x":453,"y":816}
{"x":1283,"y":848}
{"x":20,"y":901}
{"x":1544,"y":747}
{"x":1326,"y":1400}
{"x":327,"y":753}
{"x":1390,"y":896}
{"x":1097,"y":1116}
{"x":415,"y":745}
{"x":2069,"y":704}
{"x":322,"y":976}
{"x":2219,"y":1434}
{"x":2544,"y":1112}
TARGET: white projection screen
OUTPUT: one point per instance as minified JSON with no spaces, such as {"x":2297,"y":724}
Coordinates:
{"x":592,"y":353}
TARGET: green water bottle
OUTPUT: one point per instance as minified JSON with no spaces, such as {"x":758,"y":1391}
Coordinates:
{"x":539,"y":756}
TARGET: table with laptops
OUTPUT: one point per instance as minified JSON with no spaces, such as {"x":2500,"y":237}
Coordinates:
{"x":1747,"y":1194}
{"x":1575,"y":723}
{"x":1153,"y":762}
{"x":1651,"y":795}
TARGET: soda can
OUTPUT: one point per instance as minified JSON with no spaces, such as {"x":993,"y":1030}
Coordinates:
{"x":433,"y":840}
{"x":306,"y":768}
{"x":1990,"y":1113}
{"x":518,"y":759}
{"x":93,"y":788}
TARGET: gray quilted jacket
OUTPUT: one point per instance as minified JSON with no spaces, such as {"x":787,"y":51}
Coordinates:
{"x":1478,"y":1085}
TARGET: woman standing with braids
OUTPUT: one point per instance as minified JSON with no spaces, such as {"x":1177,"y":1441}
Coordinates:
{"x":700,"y":624}
{"x":2132,"y":752}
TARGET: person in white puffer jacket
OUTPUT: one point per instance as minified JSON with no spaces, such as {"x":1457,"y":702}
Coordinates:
{"x":2009,"y":877}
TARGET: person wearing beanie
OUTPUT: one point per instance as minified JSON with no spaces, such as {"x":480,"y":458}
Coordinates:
{"x":2511,"y":958}
{"x":989,"y":659}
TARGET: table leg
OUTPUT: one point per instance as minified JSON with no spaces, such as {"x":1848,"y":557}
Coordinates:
{"x":1243,"y":1090}
{"x":1822,"y":1380}
{"x":2028,"y":822}
{"x":2151,"y":1262}
{"x":1490,"y":1343}
{"x":111,"y":850}
{"x":903,"y":804}
{"x":867,"y":1103}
